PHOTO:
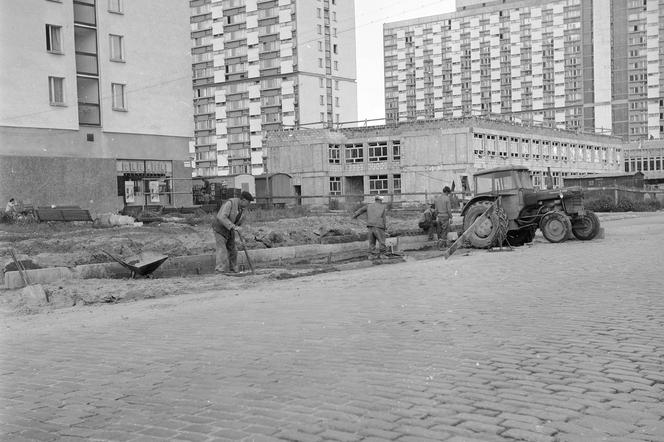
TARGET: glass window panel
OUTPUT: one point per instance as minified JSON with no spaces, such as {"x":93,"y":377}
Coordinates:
{"x":88,"y":90}
{"x":84,"y":12}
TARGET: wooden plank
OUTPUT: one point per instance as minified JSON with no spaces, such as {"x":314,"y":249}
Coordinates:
{"x":459,"y":242}
{"x":78,"y":214}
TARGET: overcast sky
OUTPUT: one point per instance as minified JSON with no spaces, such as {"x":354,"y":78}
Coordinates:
{"x":369,"y":18}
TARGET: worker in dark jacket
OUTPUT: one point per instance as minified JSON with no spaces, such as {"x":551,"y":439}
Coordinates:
{"x":228,"y":219}
{"x":444,"y":209}
{"x":376,"y":223}
{"x":429,"y":221}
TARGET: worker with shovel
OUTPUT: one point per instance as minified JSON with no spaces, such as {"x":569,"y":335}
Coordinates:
{"x":228,"y":219}
{"x":376,"y":224}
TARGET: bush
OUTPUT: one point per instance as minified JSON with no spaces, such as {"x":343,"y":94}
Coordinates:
{"x":603,"y":204}
{"x":625,"y":205}
{"x":5,"y":218}
{"x":606,"y":204}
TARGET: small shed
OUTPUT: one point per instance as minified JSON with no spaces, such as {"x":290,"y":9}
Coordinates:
{"x":275,"y":189}
{"x":631,"y":180}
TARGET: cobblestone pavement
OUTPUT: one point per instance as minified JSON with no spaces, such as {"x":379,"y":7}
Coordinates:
{"x":554,"y":342}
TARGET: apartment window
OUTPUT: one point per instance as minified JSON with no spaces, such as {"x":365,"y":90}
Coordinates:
{"x":117,"y":47}
{"x":320,"y":62}
{"x":115,"y":6}
{"x":322,"y":117}
{"x":334,"y":48}
{"x":336,"y":117}
{"x":336,"y":101}
{"x":334,"y":16}
{"x":334,"y":154}
{"x":396,"y":150}
{"x":318,"y":14}
{"x":56,"y":91}
{"x":84,"y":12}
{"x":88,"y":101}
{"x":378,"y":151}
{"x":335,"y":185}
{"x":119,"y":97}
{"x":321,"y":82}
{"x":54,"y":39}
{"x":322,"y":99}
{"x":334,"y":32}
{"x":396,"y":183}
{"x":320,"y":46}
{"x":320,"y":29}
{"x":336,"y":85}
{"x":354,"y":153}
{"x":336,"y":65}
{"x":378,"y":184}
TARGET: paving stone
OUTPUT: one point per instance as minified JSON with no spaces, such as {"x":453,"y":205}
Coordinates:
{"x":525,"y":435}
{"x":338,"y":354}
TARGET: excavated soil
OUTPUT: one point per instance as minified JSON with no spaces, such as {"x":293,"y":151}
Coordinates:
{"x":58,"y":244}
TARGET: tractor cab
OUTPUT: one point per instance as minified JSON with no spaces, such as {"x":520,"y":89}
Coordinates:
{"x":502,"y":180}
{"x":511,"y":183}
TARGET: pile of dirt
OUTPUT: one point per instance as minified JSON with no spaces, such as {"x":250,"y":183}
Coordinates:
{"x":71,"y":244}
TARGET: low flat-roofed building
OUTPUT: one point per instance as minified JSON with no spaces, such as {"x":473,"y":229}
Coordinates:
{"x":411,"y":161}
{"x":647,"y":157}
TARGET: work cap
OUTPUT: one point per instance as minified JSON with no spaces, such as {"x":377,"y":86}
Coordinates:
{"x":247,"y":196}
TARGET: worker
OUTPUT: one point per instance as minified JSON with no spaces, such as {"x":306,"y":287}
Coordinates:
{"x":228,"y":219}
{"x":429,"y":221}
{"x":376,"y":224}
{"x":11,"y":208}
{"x":444,"y":208}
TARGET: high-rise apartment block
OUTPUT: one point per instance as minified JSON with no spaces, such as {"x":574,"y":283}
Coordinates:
{"x":95,"y":106}
{"x":573,"y":64}
{"x":263,"y":65}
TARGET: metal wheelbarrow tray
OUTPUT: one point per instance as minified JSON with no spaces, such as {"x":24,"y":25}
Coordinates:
{"x":142,"y":264}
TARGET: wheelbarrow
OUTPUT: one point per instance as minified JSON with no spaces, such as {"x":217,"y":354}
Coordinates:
{"x":142,"y":264}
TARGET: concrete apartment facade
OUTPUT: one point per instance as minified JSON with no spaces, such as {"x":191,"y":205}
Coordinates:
{"x":263,"y":65}
{"x":594,"y":66}
{"x":409,"y":161}
{"x":95,"y":96}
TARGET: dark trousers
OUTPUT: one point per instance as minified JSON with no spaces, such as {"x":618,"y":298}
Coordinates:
{"x":226,"y":256}
{"x":443,"y":228}
{"x":376,"y":234}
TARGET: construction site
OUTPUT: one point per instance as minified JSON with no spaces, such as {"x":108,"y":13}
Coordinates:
{"x":74,"y":260}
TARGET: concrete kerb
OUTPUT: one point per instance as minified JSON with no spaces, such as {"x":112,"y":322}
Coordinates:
{"x":201,"y":264}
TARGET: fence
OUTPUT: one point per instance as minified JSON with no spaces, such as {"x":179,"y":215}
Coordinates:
{"x":618,"y":193}
{"x":346,"y":202}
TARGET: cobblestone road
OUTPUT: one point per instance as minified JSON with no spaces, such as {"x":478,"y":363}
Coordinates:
{"x":555,"y":342}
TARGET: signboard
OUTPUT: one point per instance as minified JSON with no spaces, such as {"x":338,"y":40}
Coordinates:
{"x":154,"y":191}
{"x":129,"y":191}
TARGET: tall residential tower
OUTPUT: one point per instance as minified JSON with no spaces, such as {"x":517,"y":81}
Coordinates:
{"x":262,"y":65}
{"x":580,"y":65}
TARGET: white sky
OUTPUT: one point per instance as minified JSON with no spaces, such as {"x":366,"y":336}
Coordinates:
{"x":369,"y":18}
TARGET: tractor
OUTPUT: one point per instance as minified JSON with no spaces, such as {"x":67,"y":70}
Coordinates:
{"x":519,"y":210}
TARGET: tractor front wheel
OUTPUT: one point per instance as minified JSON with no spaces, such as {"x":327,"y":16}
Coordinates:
{"x":555,"y":226}
{"x":488,"y":232}
{"x":585,"y":227}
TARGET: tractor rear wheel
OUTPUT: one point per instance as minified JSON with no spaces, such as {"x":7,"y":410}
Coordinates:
{"x":555,"y":226}
{"x":585,"y":227}
{"x":488,"y":232}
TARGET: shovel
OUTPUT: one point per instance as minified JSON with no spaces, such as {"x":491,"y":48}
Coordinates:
{"x":251,"y":267}
{"x":35,"y":292}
